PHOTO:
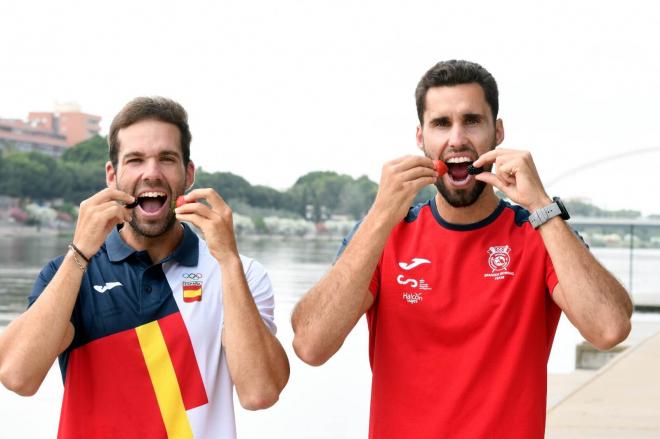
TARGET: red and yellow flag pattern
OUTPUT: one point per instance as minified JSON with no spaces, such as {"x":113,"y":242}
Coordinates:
{"x":137,"y":383}
{"x":192,"y":292}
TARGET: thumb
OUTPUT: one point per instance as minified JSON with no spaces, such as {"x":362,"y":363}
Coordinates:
{"x":490,"y":178}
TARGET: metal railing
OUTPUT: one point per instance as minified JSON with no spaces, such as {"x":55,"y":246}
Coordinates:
{"x":635,"y":232}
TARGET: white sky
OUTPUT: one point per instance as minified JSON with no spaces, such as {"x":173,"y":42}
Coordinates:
{"x":276,"y":89}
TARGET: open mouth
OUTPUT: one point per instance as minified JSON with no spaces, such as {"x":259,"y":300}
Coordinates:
{"x":152,"y":202}
{"x":458,"y":169}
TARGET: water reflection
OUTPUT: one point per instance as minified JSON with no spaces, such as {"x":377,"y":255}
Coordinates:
{"x":294,"y":265}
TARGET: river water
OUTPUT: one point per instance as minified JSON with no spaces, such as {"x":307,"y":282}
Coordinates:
{"x":293,"y":264}
{"x":327,"y":402}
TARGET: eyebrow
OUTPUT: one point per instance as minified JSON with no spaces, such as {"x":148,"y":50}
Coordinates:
{"x":160,"y":154}
{"x":437,"y":120}
{"x":170,"y":153}
{"x":473,"y":116}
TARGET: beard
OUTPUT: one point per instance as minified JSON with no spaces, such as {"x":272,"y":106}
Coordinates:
{"x":462,"y":197}
{"x":156,"y":228}
{"x":153,"y":230}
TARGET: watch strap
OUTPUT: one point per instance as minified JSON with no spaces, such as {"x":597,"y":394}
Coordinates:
{"x":545,"y":213}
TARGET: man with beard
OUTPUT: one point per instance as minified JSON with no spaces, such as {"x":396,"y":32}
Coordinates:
{"x":462,"y":293}
{"x":153,"y":326}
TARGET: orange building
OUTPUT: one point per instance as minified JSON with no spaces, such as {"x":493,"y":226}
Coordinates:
{"x":50,"y":133}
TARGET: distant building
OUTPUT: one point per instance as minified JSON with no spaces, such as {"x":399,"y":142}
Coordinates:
{"x":48,"y":133}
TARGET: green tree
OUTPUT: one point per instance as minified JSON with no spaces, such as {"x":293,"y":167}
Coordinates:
{"x":23,"y":176}
{"x":86,"y":180}
{"x":357,"y":197}
{"x":229,"y":186}
{"x":264,"y":196}
{"x":94,"y":149}
{"x":55,"y":182}
{"x":327,"y":193}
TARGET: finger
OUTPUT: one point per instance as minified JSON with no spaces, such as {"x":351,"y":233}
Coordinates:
{"x":419,"y":172}
{"x":487,"y":158}
{"x":505,"y":175}
{"x":422,"y":182}
{"x":115,"y":213}
{"x":492,"y":156}
{"x":493,"y":180}
{"x":215,"y":201}
{"x":507,"y":169}
{"x":193,"y":219}
{"x":398,"y":160}
{"x":425,"y":181}
{"x":196,"y":209}
{"x":414,"y":161}
{"x":113,"y":194}
{"x":113,"y":205}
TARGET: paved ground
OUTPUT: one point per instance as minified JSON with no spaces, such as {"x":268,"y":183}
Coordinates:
{"x":622,"y":400}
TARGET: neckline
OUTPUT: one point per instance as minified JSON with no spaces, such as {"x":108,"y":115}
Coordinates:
{"x":466,"y":227}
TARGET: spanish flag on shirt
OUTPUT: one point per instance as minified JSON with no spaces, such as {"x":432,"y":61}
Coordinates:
{"x":192,"y":291}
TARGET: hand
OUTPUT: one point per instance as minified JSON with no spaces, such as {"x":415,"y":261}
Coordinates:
{"x":516,"y":176}
{"x":400,"y":181}
{"x":215,"y":222}
{"x":98,"y":215}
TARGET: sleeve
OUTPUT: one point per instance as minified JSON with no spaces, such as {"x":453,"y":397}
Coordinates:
{"x":551,"y":280}
{"x":43,"y":279}
{"x":374,"y":284}
{"x":262,"y":292}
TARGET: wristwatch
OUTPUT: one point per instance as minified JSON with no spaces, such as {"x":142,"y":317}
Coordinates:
{"x":543,"y":215}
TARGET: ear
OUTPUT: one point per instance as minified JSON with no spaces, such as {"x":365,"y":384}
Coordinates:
{"x":419,"y":137}
{"x":499,"y":131}
{"x":190,"y":175}
{"x":110,"y":175}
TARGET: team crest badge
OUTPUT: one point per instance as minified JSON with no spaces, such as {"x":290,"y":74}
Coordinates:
{"x":499,"y":258}
{"x":192,"y":287}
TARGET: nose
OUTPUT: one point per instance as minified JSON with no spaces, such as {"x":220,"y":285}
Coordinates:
{"x":151,"y":170}
{"x":457,"y":136}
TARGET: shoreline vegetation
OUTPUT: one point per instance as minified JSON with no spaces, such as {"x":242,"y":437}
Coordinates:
{"x":40,"y":195}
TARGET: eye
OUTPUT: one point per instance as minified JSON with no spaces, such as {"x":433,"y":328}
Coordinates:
{"x":472,"y":120}
{"x":442,"y":122}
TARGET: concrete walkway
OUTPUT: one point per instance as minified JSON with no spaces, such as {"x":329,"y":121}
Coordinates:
{"x":621,"y":401}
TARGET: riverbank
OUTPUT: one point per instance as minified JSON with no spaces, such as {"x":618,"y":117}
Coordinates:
{"x":10,"y":229}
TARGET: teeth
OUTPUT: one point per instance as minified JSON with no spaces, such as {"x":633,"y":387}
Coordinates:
{"x":458,"y":160}
{"x":153,"y":194}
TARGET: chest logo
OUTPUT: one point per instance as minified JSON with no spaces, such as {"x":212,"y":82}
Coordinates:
{"x":414,"y":286}
{"x":499,"y":259}
{"x":107,"y":287}
{"x":192,"y":287}
{"x":414,"y":263}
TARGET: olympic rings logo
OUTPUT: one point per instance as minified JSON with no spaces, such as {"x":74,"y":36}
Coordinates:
{"x":194,"y":276}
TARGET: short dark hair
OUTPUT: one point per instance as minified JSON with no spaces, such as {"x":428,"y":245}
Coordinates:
{"x":456,"y":72}
{"x":158,"y":108}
